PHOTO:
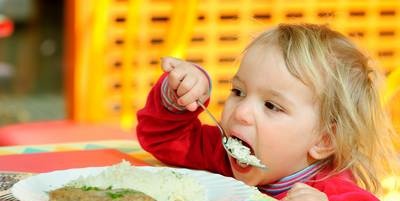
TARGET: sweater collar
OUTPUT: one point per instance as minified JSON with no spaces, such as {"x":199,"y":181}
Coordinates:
{"x":287,"y":182}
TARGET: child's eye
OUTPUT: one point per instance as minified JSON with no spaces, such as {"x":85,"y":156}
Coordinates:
{"x":272,"y":106}
{"x":237,"y":92}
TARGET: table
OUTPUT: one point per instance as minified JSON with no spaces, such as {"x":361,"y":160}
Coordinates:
{"x":18,"y":162}
{"x":129,"y":147}
{"x":51,"y":161}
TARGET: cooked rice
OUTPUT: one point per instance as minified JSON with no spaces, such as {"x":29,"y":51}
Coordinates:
{"x":241,"y":152}
{"x":163,"y":185}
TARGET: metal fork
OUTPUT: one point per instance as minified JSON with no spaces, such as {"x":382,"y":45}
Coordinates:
{"x":8,"y":197}
{"x":225,"y":137}
{"x":222,"y":131}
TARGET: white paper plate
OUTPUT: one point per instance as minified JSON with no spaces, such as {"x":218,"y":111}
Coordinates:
{"x":219,"y":188}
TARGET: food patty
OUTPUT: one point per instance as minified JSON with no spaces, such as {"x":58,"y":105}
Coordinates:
{"x":97,"y":194}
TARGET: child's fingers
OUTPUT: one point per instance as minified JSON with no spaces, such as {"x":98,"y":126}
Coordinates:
{"x":299,"y":188}
{"x":300,"y":185}
{"x":186,"y":85}
{"x":192,"y":107}
{"x":192,"y":95}
{"x":301,"y":192}
{"x":169,"y":63}
{"x":175,"y":77}
{"x":295,"y":192}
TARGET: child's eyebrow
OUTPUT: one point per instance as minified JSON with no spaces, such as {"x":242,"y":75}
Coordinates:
{"x":272,"y":92}
{"x":236,"y":78}
{"x":280,"y":96}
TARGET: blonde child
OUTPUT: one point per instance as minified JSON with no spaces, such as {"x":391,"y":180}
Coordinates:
{"x":304,"y":100}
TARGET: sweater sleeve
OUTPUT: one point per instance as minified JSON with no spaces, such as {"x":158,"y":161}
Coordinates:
{"x":339,"y":187}
{"x":342,"y":188}
{"x":179,"y":138}
{"x":359,"y":196}
{"x":347,"y":191}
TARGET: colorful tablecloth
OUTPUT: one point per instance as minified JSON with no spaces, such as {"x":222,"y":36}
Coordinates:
{"x":129,"y":147}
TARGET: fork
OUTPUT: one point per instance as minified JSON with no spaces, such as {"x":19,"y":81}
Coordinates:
{"x":8,"y":197}
{"x":222,"y":131}
{"x":225,"y":137}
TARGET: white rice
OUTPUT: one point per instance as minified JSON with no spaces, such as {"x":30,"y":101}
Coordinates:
{"x":162,"y":185}
{"x":241,"y":153}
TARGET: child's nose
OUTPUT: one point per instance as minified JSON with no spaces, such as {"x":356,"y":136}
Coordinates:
{"x":244,"y":112}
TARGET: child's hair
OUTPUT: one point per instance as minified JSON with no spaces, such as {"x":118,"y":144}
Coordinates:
{"x":346,"y":88}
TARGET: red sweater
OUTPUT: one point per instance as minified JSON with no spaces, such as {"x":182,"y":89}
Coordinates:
{"x":179,"y":139}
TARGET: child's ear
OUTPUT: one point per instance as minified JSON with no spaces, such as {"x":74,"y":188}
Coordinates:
{"x":323,"y":147}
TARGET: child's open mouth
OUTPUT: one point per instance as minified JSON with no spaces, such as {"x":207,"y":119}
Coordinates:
{"x":242,"y":152}
{"x":239,"y":165}
{"x":245,"y":144}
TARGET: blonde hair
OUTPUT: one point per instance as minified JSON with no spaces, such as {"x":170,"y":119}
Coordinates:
{"x":346,"y":87}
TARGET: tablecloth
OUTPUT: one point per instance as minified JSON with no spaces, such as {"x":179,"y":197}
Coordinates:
{"x":130,"y":147}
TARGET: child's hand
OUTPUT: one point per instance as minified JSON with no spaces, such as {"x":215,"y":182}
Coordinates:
{"x":189,"y":82}
{"x":304,"y":192}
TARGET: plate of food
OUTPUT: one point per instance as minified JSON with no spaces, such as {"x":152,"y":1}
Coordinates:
{"x":126,"y":182}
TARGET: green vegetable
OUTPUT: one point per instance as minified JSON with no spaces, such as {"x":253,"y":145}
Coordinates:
{"x":121,"y":193}
{"x":115,"y":195}
{"x":89,"y":188}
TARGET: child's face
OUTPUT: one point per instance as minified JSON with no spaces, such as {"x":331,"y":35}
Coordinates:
{"x":272,"y":112}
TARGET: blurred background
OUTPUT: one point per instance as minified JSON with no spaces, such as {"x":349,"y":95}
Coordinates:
{"x":31,"y":60}
{"x":94,"y":62}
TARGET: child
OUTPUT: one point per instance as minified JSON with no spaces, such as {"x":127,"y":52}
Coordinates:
{"x":304,"y":100}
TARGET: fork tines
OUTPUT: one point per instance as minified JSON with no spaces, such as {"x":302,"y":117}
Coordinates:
{"x":8,"y":197}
